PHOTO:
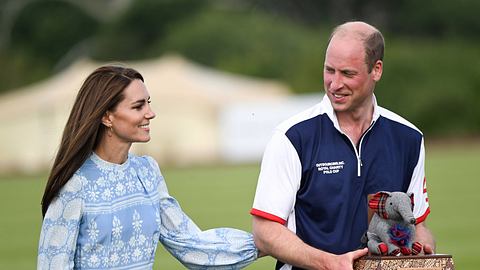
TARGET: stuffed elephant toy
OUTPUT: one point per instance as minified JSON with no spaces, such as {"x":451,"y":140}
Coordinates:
{"x":392,"y":228}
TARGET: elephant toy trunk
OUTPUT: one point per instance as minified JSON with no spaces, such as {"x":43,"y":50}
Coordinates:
{"x":407,"y":215}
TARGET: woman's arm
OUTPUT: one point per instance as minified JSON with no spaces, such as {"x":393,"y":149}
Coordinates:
{"x":60,"y":228}
{"x":221,"y":248}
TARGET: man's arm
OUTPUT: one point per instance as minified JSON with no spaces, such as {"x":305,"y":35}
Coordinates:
{"x":276,"y":240}
{"x":424,"y":236}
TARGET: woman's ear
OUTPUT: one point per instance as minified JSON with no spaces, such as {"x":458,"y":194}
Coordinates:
{"x":106,"y":119}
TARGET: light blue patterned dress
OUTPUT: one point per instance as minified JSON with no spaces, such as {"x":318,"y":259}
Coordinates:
{"x":111,"y":216}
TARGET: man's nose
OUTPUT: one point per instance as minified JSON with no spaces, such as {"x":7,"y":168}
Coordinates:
{"x":336,"y":82}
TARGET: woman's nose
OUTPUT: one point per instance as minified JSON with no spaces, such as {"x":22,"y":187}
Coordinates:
{"x":150,"y":113}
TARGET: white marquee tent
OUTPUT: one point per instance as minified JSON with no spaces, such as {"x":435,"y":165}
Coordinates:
{"x":187,"y":98}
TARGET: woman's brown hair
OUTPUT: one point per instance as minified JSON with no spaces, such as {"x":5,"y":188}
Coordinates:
{"x":101,"y":92}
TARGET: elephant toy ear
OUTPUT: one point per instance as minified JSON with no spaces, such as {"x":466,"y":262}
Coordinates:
{"x":377,"y":203}
{"x":411,"y":200}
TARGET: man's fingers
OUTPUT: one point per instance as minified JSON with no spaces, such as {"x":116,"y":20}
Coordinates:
{"x":427,"y":249}
{"x":359,"y":253}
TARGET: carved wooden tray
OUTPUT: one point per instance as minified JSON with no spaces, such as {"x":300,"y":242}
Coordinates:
{"x":427,"y":262}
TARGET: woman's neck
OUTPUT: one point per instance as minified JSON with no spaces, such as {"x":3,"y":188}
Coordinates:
{"x":113,"y":152}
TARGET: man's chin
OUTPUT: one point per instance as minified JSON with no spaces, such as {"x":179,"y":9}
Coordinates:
{"x":340,"y":107}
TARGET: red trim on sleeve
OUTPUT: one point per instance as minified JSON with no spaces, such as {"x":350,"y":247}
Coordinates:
{"x":268,"y":216}
{"x":423,"y":217}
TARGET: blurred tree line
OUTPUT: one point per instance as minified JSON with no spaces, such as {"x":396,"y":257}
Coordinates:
{"x":432,"y":63}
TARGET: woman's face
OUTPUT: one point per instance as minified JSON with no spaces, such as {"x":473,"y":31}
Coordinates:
{"x":131,"y":117}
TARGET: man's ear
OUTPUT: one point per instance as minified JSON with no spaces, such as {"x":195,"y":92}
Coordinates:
{"x":106,"y":119}
{"x":377,"y":70}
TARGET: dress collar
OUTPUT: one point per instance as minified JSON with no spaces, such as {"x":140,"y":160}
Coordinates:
{"x":109,"y":165}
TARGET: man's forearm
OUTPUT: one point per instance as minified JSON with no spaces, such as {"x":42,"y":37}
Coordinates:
{"x":276,"y":240}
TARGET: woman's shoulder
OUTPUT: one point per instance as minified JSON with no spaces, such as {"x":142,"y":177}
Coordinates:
{"x":144,"y":160}
{"x":73,"y":189}
{"x":133,"y":156}
{"x":147,"y":169}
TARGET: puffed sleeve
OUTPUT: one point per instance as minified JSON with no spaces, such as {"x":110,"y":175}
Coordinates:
{"x":220,"y":248}
{"x":60,"y":228}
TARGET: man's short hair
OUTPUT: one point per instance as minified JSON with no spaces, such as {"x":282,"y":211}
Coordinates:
{"x":374,"y":49}
{"x":373,"y":43}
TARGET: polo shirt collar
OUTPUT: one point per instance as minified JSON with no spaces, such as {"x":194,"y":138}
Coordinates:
{"x":333,"y":116}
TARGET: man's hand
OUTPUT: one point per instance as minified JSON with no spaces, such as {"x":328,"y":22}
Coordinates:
{"x":425,"y":237}
{"x":345,"y":261}
{"x":428,"y":250}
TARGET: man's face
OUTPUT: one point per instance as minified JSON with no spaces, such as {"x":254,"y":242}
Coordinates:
{"x":347,"y":82}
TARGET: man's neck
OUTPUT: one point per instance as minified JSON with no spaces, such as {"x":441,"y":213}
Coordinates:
{"x":354,"y":124}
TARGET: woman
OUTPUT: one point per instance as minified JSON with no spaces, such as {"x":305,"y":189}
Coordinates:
{"x":106,"y":208}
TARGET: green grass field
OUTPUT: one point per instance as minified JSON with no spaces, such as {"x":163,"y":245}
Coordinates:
{"x":222,"y":197}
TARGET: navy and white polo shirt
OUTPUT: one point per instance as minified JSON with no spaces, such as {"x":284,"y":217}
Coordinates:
{"x":315,"y":181}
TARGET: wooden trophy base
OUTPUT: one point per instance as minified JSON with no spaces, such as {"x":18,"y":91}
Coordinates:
{"x":428,"y":262}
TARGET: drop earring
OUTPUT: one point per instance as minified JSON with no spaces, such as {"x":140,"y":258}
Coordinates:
{"x":110,"y":131}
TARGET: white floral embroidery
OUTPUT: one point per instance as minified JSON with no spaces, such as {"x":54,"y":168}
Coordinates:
{"x":92,"y":193}
{"x":137,"y":254}
{"x":120,"y":189}
{"x":137,"y":222}
{"x":92,"y":231}
{"x":132,"y":172}
{"x":105,"y":261}
{"x":94,"y":260}
{"x":113,"y":216}
{"x":114,"y":259}
{"x":112,"y":177}
{"x":107,"y":194}
{"x":125,"y":258}
{"x":101,"y":182}
{"x":130,"y":186}
{"x":117,"y":228}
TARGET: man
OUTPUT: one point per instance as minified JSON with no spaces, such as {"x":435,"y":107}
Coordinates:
{"x":310,"y":209}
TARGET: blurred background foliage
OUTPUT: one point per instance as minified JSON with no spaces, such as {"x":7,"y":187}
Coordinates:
{"x":432,"y":63}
